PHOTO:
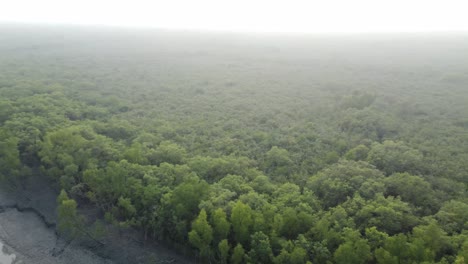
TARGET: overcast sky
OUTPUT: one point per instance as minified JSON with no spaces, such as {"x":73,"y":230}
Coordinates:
{"x":249,"y":15}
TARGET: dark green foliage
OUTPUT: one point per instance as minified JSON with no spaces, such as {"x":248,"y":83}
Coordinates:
{"x":238,"y":254}
{"x":453,"y":216}
{"x":223,"y":249}
{"x":392,"y":157}
{"x":368,"y":123}
{"x":340,"y":181}
{"x":10,"y":163}
{"x":260,"y":251}
{"x":167,"y":152}
{"x":386,"y":214}
{"x":358,"y":153}
{"x":354,"y":250}
{"x":70,"y":224}
{"x":358,"y":100}
{"x":414,"y":190}
{"x":242,"y":222}
{"x":220,"y":224}
{"x":278,"y":163}
{"x":201,"y":234}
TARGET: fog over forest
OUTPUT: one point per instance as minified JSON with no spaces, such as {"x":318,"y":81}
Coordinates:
{"x":127,"y":145}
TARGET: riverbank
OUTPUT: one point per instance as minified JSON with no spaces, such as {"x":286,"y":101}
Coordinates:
{"x":27,"y":230}
{"x":31,"y":241}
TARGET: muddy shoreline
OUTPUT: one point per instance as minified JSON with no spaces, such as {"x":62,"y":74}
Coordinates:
{"x":27,"y":231}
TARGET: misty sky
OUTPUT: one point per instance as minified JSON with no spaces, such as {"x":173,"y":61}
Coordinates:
{"x":249,"y":15}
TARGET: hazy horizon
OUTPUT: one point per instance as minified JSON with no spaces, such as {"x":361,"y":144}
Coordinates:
{"x":155,"y":29}
{"x":260,"y":16}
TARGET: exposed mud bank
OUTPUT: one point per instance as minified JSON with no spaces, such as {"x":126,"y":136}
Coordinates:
{"x":31,"y":241}
{"x":28,"y":235}
{"x":7,"y":255}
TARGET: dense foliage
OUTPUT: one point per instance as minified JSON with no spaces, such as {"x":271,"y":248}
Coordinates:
{"x":237,"y":149}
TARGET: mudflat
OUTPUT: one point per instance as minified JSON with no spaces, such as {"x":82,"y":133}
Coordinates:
{"x":28,"y":233}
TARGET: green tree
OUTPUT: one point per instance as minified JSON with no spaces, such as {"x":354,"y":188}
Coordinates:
{"x":278,"y":163}
{"x":341,"y":180}
{"x":414,"y":190}
{"x":260,"y":248}
{"x":368,"y":123}
{"x":223,"y":248}
{"x":387,"y":214}
{"x":136,"y":153}
{"x":354,"y":250}
{"x":242,"y":221}
{"x":128,"y":210}
{"x":221,"y":225}
{"x":357,"y":153}
{"x":109,"y":184}
{"x":10,"y":164}
{"x":396,"y":250}
{"x":391,"y":157}
{"x":384,"y":257}
{"x":179,"y":207}
{"x":6,"y":109}
{"x":168,"y":152}
{"x":215,"y":169}
{"x":432,"y":237}
{"x":462,"y":253}
{"x":201,"y":234}
{"x":298,"y":255}
{"x":295,"y":223}
{"x":375,"y":238}
{"x":283,"y":257}
{"x":238,"y":254}
{"x":70,"y":224}
{"x":262,"y":184}
{"x":453,"y":216}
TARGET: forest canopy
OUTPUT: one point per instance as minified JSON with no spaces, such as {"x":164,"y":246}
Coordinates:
{"x":232,"y":149}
